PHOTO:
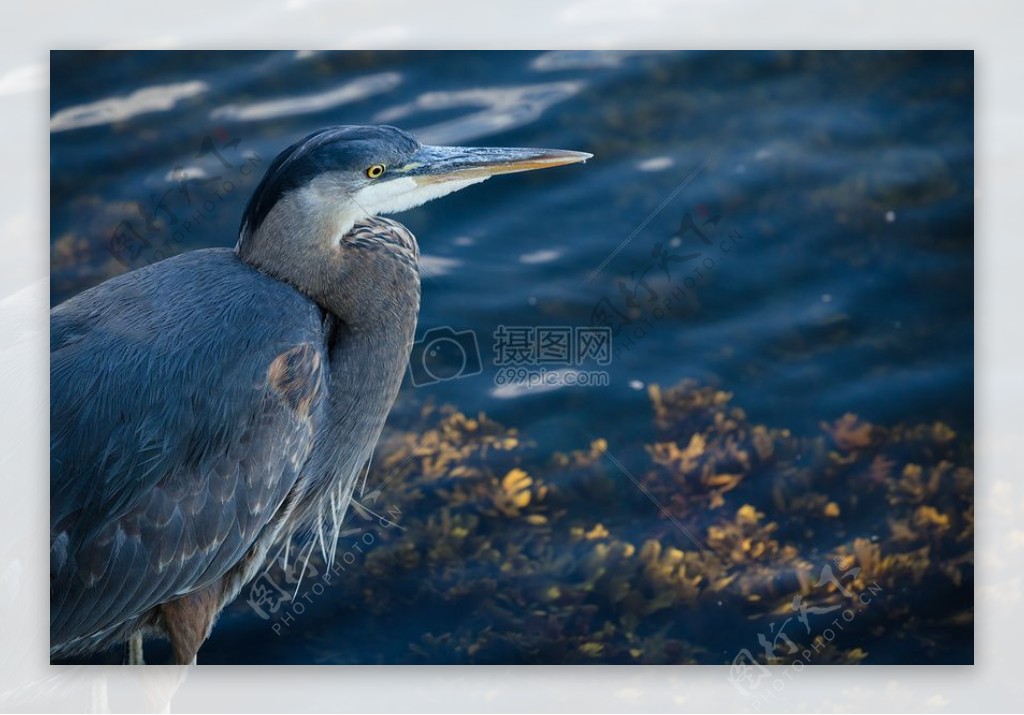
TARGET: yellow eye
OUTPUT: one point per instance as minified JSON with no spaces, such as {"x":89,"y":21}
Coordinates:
{"x":376,"y":171}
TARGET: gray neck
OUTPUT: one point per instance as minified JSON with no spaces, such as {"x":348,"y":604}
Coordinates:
{"x":366,"y":371}
{"x":367,"y":282}
{"x":360,"y":269}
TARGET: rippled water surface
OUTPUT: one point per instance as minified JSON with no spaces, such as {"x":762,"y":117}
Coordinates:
{"x":793,"y":229}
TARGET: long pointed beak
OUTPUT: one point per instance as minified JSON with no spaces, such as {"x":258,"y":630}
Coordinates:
{"x":432,"y":164}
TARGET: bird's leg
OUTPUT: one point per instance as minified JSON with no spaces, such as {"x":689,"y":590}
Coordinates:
{"x":188,"y":620}
{"x":134,"y":647}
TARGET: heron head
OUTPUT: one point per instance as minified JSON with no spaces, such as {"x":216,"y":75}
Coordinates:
{"x":339,"y":175}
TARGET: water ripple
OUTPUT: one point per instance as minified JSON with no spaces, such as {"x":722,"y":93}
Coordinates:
{"x":347,"y":93}
{"x":117,"y":109}
{"x":558,"y":60}
{"x":503,"y":108}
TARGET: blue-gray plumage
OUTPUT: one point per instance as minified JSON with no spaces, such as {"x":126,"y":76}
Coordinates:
{"x":210,"y":406}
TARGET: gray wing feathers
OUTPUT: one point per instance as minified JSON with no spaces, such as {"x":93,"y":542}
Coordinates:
{"x":183,"y":403}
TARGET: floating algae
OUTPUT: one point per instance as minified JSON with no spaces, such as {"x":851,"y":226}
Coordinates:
{"x":853,"y":545}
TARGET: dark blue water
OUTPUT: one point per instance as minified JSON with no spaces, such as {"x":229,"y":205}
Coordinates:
{"x":793,"y":228}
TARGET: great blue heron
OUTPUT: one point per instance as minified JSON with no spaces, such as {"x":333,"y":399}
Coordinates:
{"x":211,"y":405}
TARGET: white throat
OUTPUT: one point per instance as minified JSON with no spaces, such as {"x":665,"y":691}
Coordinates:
{"x":336,"y":212}
{"x":404,"y":193}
